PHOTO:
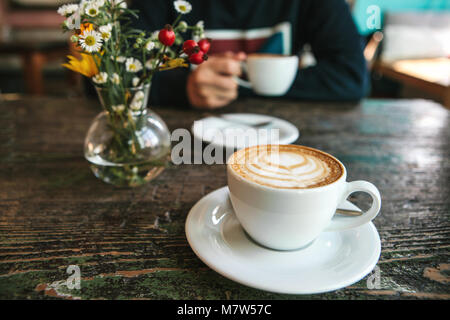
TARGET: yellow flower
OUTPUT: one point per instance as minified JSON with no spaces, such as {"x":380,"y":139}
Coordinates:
{"x":86,"y":66}
{"x":86,"y":27}
{"x":173,"y":63}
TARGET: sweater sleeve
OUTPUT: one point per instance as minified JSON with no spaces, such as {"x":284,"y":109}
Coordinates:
{"x":340,"y":73}
{"x":169,"y":88}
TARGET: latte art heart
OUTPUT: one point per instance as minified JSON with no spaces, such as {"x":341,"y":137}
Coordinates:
{"x":286,"y":167}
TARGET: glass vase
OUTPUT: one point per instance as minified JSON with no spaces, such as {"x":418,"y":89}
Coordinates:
{"x":127,"y":144}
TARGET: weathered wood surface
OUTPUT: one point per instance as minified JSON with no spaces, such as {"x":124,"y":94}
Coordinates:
{"x":130,"y":243}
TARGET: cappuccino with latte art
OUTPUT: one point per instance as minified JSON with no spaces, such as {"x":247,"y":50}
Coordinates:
{"x":284,"y":196}
{"x":286,"y":166}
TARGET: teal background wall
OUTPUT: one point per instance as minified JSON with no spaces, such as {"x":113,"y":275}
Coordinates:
{"x":361,"y":15}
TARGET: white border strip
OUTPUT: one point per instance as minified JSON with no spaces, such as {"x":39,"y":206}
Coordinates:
{"x":284,"y":28}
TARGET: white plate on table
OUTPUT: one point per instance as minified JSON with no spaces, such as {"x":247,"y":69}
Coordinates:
{"x":226,"y":130}
{"x":333,"y":261}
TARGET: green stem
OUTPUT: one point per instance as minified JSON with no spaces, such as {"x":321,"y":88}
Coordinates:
{"x":161,"y":55}
{"x":143,"y":62}
{"x":176,"y":20}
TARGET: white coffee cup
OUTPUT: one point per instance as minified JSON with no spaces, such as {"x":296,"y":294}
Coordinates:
{"x":269,"y":74}
{"x":288,"y":219}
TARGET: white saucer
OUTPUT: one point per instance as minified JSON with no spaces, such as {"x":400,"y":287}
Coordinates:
{"x":333,"y":261}
{"x":214,"y":130}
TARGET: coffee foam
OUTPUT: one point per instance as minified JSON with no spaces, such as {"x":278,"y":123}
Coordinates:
{"x":286,"y":166}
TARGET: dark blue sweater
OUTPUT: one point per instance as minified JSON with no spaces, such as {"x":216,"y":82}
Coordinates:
{"x":277,"y":26}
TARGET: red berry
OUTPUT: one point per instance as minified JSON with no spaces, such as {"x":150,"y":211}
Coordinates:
{"x":198,"y":57}
{"x":190,"y":47}
{"x":167,"y":36}
{"x":205,"y":45}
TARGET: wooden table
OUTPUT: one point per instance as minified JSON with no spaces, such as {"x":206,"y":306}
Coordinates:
{"x":130,"y":243}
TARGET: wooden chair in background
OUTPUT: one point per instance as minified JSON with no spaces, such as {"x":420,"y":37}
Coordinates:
{"x":431,"y":76}
{"x":34,"y":53}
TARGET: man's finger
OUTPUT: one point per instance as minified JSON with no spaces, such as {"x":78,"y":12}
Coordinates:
{"x":239,"y":56}
{"x":211,"y":102}
{"x":209,"y":77}
{"x":217,"y":92}
{"x":225,"y":66}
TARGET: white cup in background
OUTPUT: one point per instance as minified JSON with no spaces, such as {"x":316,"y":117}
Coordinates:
{"x":269,"y":74}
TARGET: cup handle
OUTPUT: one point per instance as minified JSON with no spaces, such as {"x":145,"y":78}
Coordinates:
{"x":344,"y":222}
{"x":241,"y":82}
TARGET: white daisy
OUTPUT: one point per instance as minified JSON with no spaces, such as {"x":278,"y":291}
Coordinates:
{"x":200,"y":24}
{"x":150,"y":45}
{"x":91,"y":41}
{"x":105,"y":36}
{"x":182,"y":6}
{"x":135,"y":81}
{"x":115,"y":79}
{"x":67,"y":9}
{"x":133,"y":65}
{"x":83,"y":4}
{"x":137,"y":101}
{"x":118,"y":3}
{"x":149,"y":64}
{"x":105,"y":31}
{"x":106,"y":28}
{"x":154,"y":35}
{"x":199,"y":32}
{"x":139,"y":95}
{"x":118,"y":108}
{"x":99,"y":3}
{"x":136,"y":105}
{"x":91,"y":10}
{"x":72,"y":22}
{"x":119,"y":59}
{"x":100,"y":78}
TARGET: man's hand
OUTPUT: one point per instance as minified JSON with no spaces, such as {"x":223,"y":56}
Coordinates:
{"x":211,"y":84}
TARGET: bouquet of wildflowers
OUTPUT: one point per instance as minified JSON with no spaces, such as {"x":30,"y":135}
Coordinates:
{"x":121,"y":61}
{"x":117,"y":56}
